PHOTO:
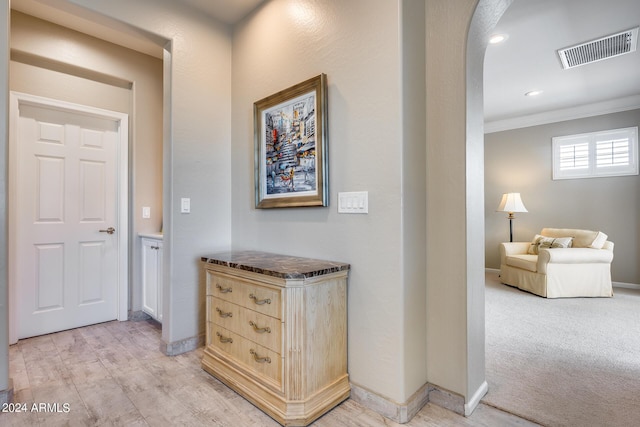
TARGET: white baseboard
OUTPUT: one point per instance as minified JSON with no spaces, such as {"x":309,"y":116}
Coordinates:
{"x":626,"y":285}
{"x":473,"y":403}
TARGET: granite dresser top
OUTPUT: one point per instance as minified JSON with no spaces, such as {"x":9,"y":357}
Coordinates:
{"x":282,"y":266}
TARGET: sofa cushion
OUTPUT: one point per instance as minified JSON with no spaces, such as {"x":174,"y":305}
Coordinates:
{"x":581,"y":238}
{"x":526,"y":262}
{"x":548,"y":243}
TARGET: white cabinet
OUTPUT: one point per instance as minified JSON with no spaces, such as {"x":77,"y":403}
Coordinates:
{"x":152,"y":276}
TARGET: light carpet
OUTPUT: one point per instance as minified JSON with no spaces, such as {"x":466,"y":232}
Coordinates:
{"x":563,"y":362}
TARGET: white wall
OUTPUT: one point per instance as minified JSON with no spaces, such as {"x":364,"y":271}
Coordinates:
{"x":520,"y":161}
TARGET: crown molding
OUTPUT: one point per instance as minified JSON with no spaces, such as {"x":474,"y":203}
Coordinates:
{"x":554,"y":116}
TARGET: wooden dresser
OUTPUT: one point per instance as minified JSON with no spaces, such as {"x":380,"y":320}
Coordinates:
{"x":277,"y":332}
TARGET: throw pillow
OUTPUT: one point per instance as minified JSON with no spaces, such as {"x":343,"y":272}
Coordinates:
{"x":542,"y":242}
{"x":599,"y":241}
{"x":533,"y":247}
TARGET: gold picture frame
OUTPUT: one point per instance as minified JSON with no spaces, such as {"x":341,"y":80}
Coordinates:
{"x":290,"y":137}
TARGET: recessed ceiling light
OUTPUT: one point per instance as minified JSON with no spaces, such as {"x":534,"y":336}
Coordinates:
{"x":533,"y":93}
{"x":498,"y":38}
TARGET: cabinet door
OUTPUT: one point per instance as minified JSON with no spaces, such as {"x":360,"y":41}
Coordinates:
{"x":150,"y":277}
{"x":159,"y":279}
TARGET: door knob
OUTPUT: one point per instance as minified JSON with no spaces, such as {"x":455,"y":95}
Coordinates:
{"x":109,"y":230}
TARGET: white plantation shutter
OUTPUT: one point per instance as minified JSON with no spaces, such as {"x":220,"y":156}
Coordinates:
{"x":614,"y":152}
{"x":596,"y":154}
{"x":574,"y":156}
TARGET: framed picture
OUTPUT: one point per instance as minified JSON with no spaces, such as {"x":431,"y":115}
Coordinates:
{"x":290,"y":133}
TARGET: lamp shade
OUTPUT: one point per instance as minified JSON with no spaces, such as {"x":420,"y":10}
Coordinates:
{"x":511,"y":202}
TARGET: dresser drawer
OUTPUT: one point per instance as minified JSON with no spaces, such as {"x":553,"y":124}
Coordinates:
{"x":263,"y":299}
{"x":254,"y":357}
{"x":223,"y":287}
{"x":225,"y":314}
{"x":261,"y":329}
{"x":257,"y":327}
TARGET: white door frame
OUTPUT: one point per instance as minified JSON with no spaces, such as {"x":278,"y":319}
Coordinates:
{"x":17,"y":99}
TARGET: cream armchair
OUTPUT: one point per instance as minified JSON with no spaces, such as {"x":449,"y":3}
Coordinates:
{"x":547,"y":268}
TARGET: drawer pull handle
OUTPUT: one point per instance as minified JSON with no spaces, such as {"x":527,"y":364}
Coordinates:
{"x":258,"y":358}
{"x":224,"y":314}
{"x":259,"y":330}
{"x":223,"y":339}
{"x":260,"y":301}
{"x":224,"y":290}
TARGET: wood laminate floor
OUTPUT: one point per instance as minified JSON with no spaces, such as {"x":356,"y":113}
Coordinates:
{"x":113,"y":374}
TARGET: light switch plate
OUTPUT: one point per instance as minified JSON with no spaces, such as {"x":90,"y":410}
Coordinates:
{"x":146,"y":212}
{"x":353,"y":202}
{"x":185,"y":205}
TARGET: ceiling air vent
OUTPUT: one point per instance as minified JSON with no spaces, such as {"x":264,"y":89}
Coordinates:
{"x":600,"y":49}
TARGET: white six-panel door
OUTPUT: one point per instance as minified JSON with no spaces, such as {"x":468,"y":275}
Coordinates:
{"x":67,"y":243}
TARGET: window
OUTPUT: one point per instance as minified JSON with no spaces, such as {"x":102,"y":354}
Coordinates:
{"x":596,"y":154}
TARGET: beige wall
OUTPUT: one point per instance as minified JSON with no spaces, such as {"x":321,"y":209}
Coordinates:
{"x":54,"y":62}
{"x":456,"y":41}
{"x":520,"y":161}
{"x":414,"y":192}
{"x":4,"y":144}
{"x":197,"y":149}
{"x":356,"y":44}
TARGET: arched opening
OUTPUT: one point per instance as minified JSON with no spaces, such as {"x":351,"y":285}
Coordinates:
{"x":515,"y":146}
{"x":455,"y":210}
{"x":485,"y":17}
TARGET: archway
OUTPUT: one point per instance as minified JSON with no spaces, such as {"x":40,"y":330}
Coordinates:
{"x":457,"y":36}
{"x":485,"y":17}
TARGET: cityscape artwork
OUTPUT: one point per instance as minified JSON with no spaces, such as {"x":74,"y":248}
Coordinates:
{"x":290,"y":142}
{"x":291,"y":147}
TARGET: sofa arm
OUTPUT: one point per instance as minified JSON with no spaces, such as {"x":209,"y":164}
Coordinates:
{"x":572,"y":256}
{"x":512,"y":248}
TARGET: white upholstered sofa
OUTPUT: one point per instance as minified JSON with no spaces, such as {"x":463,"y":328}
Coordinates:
{"x":558,"y":263}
